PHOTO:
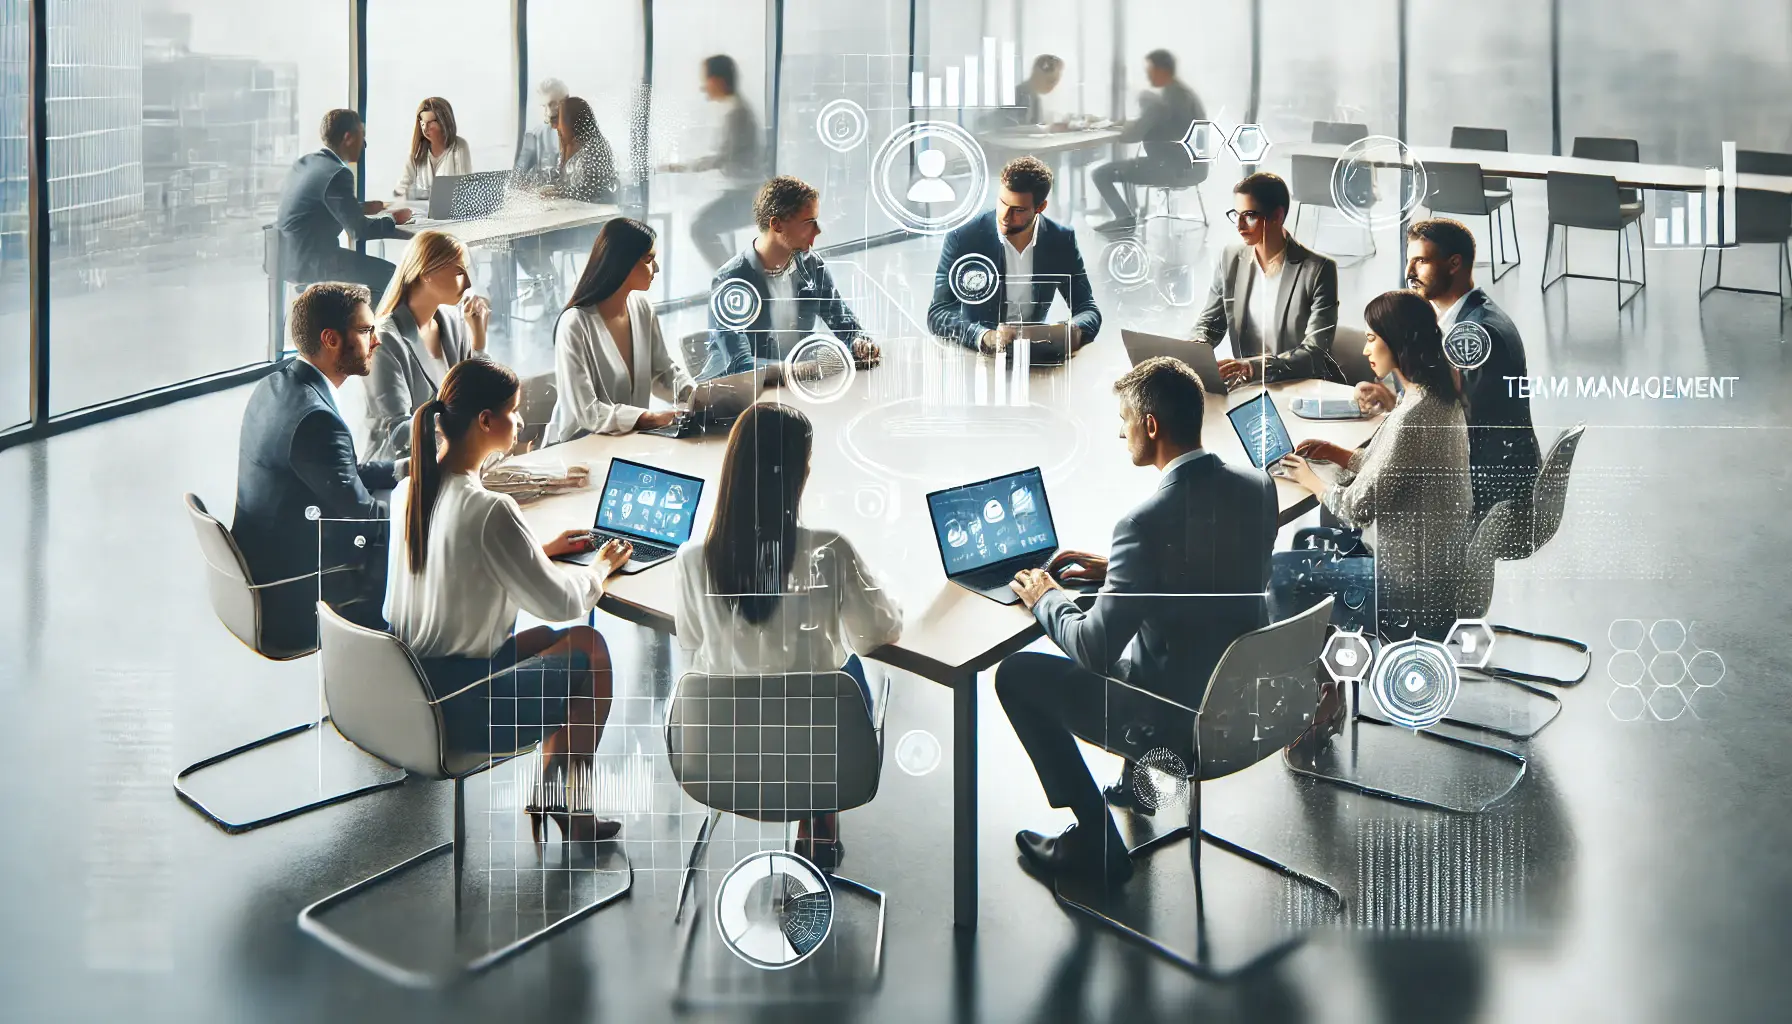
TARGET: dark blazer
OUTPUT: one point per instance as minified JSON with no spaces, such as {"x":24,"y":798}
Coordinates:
{"x":296,"y":452}
{"x":317,"y":205}
{"x":1057,"y":267}
{"x":817,"y":297}
{"x":1207,"y":530}
{"x":1306,"y":312}
{"x":1503,"y":457}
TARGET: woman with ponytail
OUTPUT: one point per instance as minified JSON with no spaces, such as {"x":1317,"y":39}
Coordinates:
{"x":463,"y":561}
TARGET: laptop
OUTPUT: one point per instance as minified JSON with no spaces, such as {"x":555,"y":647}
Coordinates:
{"x":462,"y":196}
{"x":648,"y":507}
{"x":1197,"y":355}
{"x":714,"y":406}
{"x":992,"y":529}
{"x":1262,"y":432}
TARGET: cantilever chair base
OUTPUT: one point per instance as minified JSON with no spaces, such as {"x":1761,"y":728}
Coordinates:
{"x":239,"y":827}
{"x":1313,"y":772}
{"x":1200,"y":966}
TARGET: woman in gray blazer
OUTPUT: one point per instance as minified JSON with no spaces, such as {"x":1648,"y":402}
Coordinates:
{"x":428,"y":321}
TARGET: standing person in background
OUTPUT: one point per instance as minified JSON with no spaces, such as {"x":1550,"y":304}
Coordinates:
{"x":739,"y":155}
{"x":1164,"y":118}
{"x":436,"y":150}
{"x":539,"y":155}
{"x":318,"y":204}
{"x":428,"y":321}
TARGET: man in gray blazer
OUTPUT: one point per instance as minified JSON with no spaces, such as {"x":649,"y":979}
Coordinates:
{"x":1187,"y":575}
{"x":1277,"y":299}
{"x":318,"y":204}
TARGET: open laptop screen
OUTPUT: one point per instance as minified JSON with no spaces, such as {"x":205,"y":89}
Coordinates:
{"x":649,"y":503}
{"x":991,"y":521}
{"x":1261,"y":430}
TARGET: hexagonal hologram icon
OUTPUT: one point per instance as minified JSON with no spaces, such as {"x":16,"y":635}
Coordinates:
{"x":1471,"y":643}
{"x":1347,"y":656}
{"x":1248,"y":143}
{"x":1203,"y":141}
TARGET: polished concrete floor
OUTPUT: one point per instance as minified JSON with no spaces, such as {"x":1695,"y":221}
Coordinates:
{"x":1637,"y":872}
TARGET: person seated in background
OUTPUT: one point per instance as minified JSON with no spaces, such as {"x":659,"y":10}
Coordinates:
{"x":1275,"y":298}
{"x":1503,"y":457}
{"x":539,"y":156}
{"x":428,"y":321}
{"x":1165,"y":113}
{"x":738,"y":155}
{"x":1408,"y":488}
{"x":609,"y":355}
{"x":762,"y":594}
{"x":297,"y":453}
{"x":436,"y":150}
{"x":587,"y":167}
{"x":317,"y":204}
{"x":463,"y":562}
{"x":1033,"y":256}
{"x":1206,"y":532}
{"x":792,"y":285}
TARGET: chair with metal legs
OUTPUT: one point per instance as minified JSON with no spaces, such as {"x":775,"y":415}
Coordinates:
{"x":1762,"y":218}
{"x":773,"y":748}
{"x":237,"y":603}
{"x":1258,"y":699}
{"x":1460,"y":190}
{"x":384,"y":704}
{"x":1592,"y":201}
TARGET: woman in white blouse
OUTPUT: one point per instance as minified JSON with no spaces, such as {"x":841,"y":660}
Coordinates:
{"x":428,"y":320}
{"x":764,"y":594}
{"x":436,"y":150}
{"x":467,"y":562}
{"x":609,"y":355}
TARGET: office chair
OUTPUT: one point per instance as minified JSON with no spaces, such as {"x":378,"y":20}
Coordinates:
{"x":1593,"y":202}
{"x":1460,"y":189}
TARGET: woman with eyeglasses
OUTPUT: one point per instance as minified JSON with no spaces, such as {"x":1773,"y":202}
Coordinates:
{"x":437,"y":150}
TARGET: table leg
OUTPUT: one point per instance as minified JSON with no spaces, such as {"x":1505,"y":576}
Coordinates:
{"x":964,"y":801}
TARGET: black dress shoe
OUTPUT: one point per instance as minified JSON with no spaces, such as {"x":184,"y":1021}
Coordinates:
{"x":1124,"y":795}
{"x":1072,"y":853}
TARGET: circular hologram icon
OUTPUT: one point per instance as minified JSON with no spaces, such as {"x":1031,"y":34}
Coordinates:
{"x":918,"y":752}
{"x":1467,"y":345}
{"x":819,"y":368}
{"x":773,"y":909}
{"x":909,"y":177}
{"x":1127,"y":263}
{"x":1706,"y":668}
{"x":735,"y":304}
{"x":1626,"y":634}
{"x":973,"y":278}
{"x":842,"y":125}
{"x":1159,"y":778}
{"x":1415,"y":682}
{"x":1377,"y":182}
{"x":1667,"y":634}
{"x":1626,"y":668}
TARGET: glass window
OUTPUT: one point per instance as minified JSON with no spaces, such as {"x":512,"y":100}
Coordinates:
{"x":15,"y":234}
{"x":1479,"y":67}
{"x":560,"y":46}
{"x":171,"y":131}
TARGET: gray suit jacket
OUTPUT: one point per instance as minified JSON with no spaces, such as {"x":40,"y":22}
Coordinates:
{"x":398,"y":383}
{"x":1206,"y":532}
{"x":317,"y":205}
{"x":1306,"y":314}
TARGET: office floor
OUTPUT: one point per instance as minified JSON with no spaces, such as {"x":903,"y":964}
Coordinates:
{"x":1636,"y":874}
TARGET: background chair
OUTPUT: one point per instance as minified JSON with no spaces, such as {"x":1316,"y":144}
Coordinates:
{"x":1258,"y":699}
{"x":774,"y":748}
{"x":1490,"y":139}
{"x":383,"y":703}
{"x":1460,"y":189}
{"x":237,"y":603}
{"x":1620,"y":150}
{"x":1762,"y":218}
{"x":1591,"y":201}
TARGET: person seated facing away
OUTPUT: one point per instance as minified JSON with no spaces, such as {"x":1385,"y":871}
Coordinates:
{"x":1408,"y":488}
{"x":1206,"y":530}
{"x":793,"y":286}
{"x":539,"y":156}
{"x":1276,"y":298}
{"x":587,"y":169}
{"x":436,"y":150}
{"x":738,"y":155}
{"x":297,"y":453}
{"x":1163,"y":122}
{"x":317,"y":204}
{"x":463,"y":561}
{"x":1034,"y":257}
{"x":428,"y":321}
{"x":764,"y":595}
{"x":1503,"y":457}
{"x":609,"y":355}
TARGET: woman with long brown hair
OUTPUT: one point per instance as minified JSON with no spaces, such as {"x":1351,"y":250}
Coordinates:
{"x":463,"y":561}
{"x":437,"y":150}
{"x":763,"y":594}
{"x":429,"y":320}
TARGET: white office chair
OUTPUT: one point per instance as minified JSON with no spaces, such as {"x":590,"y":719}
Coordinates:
{"x":777,"y":748}
{"x":237,"y":602}
{"x":1259,"y":698}
{"x":383,"y":703}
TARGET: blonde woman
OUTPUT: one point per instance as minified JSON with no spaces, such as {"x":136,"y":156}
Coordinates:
{"x":428,"y":321}
{"x":436,"y":149}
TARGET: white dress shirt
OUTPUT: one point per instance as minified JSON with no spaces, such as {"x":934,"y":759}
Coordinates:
{"x":596,"y":393}
{"x":483,"y":564}
{"x":417,"y":177}
{"x":1017,"y":276}
{"x":833,"y":606}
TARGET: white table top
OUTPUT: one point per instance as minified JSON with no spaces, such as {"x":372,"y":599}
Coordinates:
{"x":1667,"y":177}
{"x":1036,"y":139}
{"x":520,"y":217}
{"x":880,"y":448}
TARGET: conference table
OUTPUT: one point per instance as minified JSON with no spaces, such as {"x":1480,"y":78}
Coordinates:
{"x":890,"y":434}
{"x":1661,"y":177}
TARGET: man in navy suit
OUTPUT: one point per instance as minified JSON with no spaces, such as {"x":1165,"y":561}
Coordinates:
{"x":1186,"y":576}
{"x":1031,"y":257}
{"x":296,"y":453}
{"x":318,"y":204}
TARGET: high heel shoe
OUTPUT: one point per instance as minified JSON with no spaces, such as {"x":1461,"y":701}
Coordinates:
{"x":568,"y":801}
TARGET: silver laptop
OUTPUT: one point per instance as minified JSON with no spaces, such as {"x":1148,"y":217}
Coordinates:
{"x":463,"y":196}
{"x":1197,"y":355}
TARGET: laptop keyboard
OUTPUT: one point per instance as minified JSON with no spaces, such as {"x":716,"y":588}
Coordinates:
{"x":644,"y":552}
